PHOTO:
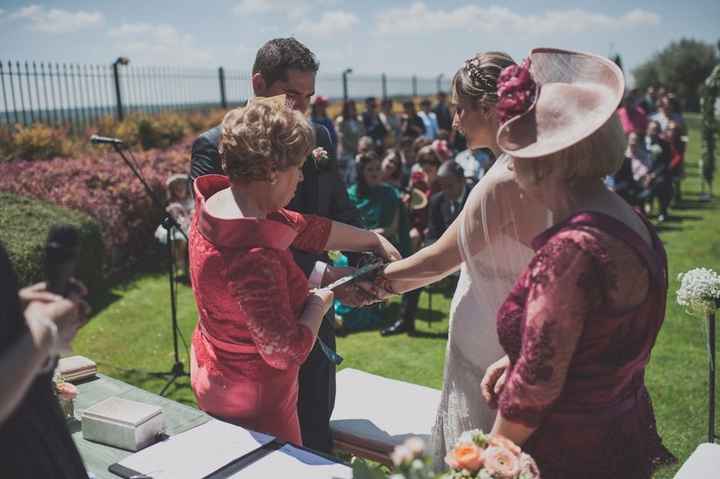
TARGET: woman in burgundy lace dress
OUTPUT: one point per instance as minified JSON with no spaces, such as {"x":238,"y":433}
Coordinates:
{"x":581,"y":321}
{"x":258,"y":320}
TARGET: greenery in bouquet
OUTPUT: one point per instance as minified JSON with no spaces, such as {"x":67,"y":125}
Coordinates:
{"x":476,"y":455}
{"x":699,"y":290}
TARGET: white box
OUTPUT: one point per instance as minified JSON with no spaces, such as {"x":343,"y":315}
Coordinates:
{"x":122,"y":423}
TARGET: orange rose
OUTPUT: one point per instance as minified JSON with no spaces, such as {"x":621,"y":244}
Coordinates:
{"x":465,"y":455}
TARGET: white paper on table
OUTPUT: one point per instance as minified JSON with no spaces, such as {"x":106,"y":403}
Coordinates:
{"x":197,"y":452}
{"x":290,"y":461}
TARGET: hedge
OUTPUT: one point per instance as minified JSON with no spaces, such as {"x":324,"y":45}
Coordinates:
{"x":24,"y":226}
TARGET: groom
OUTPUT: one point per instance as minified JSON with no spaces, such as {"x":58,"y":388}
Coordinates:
{"x":286,"y":66}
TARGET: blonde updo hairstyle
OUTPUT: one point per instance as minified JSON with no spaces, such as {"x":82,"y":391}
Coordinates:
{"x":595,"y":157}
{"x":262,"y":138}
{"x":475,"y":84}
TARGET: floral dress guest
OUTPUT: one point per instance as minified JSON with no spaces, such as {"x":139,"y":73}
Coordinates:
{"x":581,"y":321}
{"x":258,"y":320}
{"x":181,"y":207}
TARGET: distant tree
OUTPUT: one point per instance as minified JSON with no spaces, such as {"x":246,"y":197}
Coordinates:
{"x":682,"y":66}
{"x":618,"y":60}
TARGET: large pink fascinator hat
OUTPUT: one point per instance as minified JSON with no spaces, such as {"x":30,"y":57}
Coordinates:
{"x":555,"y":99}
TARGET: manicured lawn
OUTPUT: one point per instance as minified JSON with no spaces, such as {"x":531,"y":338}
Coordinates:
{"x":131,"y":332}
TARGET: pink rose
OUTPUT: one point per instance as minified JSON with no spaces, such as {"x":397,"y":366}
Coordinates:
{"x":66,"y":391}
{"x":465,"y":455}
{"x":516,"y":91}
{"x":500,"y":463}
{"x":502,"y":441}
{"x":528,"y":467}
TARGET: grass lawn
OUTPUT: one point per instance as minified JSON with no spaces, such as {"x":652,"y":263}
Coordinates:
{"x":131,"y":334}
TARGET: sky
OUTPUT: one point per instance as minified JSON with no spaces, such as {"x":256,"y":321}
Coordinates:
{"x":398,"y":37}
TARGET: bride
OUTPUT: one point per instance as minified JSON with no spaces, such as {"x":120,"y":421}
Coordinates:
{"x":489,"y":242}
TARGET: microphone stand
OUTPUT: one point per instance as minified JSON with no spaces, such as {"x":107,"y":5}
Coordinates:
{"x":168,"y":223}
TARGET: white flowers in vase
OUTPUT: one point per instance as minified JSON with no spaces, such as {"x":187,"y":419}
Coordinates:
{"x":699,"y":290}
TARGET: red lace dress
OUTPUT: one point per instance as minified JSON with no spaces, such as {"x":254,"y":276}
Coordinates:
{"x":578,"y":328}
{"x":248,"y":344}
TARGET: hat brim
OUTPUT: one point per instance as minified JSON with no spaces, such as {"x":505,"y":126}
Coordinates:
{"x":578,"y":93}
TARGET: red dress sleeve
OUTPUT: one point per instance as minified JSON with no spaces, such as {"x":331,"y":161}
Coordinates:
{"x":564,"y":284}
{"x":312,"y":231}
{"x":260,"y":286}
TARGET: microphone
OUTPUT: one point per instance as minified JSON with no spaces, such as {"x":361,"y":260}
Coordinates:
{"x":104,"y":140}
{"x":61,"y":254}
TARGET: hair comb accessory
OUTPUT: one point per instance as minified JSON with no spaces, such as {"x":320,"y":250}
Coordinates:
{"x":517,"y":91}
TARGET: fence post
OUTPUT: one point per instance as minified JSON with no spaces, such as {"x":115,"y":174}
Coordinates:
{"x":414,"y":85}
{"x":118,"y":96}
{"x":439,"y":83}
{"x":345,"y":74}
{"x":384,"y":86}
{"x":221,"y":78}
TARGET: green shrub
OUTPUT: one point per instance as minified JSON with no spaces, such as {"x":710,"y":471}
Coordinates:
{"x":24,"y":226}
{"x":35,"y":142}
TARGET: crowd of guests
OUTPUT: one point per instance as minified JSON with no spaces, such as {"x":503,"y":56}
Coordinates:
{"x":408,"y":173}
{"x":654,"y":161}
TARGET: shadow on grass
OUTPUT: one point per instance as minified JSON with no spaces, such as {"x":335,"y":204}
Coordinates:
{"x":430,"y":335}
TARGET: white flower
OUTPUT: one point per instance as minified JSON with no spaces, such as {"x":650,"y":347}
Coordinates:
{"x":401,"y":455}
{"x":416,"y":446}
{"x":469,"y":436}
{"x":699,"y":289}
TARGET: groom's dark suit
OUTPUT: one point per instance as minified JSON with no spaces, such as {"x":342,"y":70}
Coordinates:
{"x":323,"y":193}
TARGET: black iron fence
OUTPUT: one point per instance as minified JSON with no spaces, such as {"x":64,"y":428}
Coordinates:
{"x":76,"y":96}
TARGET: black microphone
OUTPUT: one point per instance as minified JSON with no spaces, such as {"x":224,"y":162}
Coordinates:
{"x":61,"y":254}
{"x":104,"y":140}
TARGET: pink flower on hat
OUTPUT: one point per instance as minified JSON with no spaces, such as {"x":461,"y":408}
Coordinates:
{"x":516,"y":91}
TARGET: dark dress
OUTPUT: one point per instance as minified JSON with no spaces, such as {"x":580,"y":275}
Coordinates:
{"x":578,"y":328}
{"x":34,"y":440}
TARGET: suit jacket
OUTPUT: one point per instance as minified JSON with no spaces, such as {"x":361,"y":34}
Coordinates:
{"x":322,"y":192}
{"x":441,"y":212}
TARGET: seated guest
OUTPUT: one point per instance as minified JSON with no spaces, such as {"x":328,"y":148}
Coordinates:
{"x":661,"y":155}
{"x":632,"y":117}
{"x":668,"y":110}
{"x":410,"y":123}
{"x":391,"y":121}
{"x":374,"y":127}
{"x":349,"y":130}
{"x":429,"y":119}
{"x":623,"y":183}
{"x":181,"y":207}
{"x":475,"y":162}
{"x":446,"y":204}
{"x":580,"y":324}
{"x":258,"y":320}
{"x":35,"y":326}
{"x":392,"y":170}
{"x":383,"y":212}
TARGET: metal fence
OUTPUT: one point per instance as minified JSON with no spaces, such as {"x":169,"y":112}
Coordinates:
{"x":76,"y":96}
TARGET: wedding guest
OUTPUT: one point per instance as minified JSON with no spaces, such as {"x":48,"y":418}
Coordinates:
{"x":649,"y":103}
{"x":258,"y":320}
{"x":661,"y":154}
{"x":668,"y":110}
{"x":319,"y":116}
{"x":580,"y":323}
{"x":429,"y":119}
{"x":392,"y":171}
{"x":374,"y":127}
{"x":442,"y":112}
{"x":475,"y":162}
{"x":181,"y":207}
{"x":392,"y":122}
{"x":446,"y":204}
{"x":412,"y":125}
{"x":349,"y":130}
{"x":678,"y":144}
{"x":284,"y":66}
{"x":633,"y":118}
{"x":384,"y":213}
{"x":35,"y":326}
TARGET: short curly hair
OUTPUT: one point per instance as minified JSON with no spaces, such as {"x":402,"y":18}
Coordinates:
{"x":261,"y":138}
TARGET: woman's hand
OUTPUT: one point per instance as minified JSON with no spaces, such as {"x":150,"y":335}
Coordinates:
{"x":333,"y":274}
{"x":68,"y":315}
{"x":494,"y":380}
{"x":385,"y":249}
{"x":36,"y":292}
{"x":322,"y":297}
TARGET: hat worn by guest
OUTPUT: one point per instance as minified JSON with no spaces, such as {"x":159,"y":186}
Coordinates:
{"x":580,"y":323}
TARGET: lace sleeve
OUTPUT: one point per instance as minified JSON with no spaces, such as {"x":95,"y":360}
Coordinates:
{"x":564,"y":283}
{"x":312,"y":231}
{"x":260,"y":287}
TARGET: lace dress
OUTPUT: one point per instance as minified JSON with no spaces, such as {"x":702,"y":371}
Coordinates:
{"x":248,"y":344}
{"x":578,"y":327}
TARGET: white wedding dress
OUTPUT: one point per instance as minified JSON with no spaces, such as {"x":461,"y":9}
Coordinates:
{"x":493,"y":221}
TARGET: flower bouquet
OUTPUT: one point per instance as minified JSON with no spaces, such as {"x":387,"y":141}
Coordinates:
{"x":476,"y":455}
{"x":699,"y":292}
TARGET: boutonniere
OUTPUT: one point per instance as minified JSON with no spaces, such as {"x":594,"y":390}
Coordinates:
{"x":320,"y":157}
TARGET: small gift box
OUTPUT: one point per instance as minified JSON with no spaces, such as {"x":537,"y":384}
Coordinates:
{"x":122,"y":423}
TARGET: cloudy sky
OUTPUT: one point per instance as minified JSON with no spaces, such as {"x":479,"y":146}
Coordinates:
{"x":399,"y":37}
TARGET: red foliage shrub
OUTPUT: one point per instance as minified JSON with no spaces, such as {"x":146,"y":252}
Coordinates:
{"x":101,"y":185}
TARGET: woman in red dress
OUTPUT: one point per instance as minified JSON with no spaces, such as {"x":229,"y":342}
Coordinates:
{"x":258,"y":320}
{"x":581,"y":321}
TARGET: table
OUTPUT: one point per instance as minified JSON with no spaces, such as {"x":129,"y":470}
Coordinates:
{"x":180,"y":418}
{"x":374,"y":414}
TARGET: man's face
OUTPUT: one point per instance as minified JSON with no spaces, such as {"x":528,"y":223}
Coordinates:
{"x":299,"y":88}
